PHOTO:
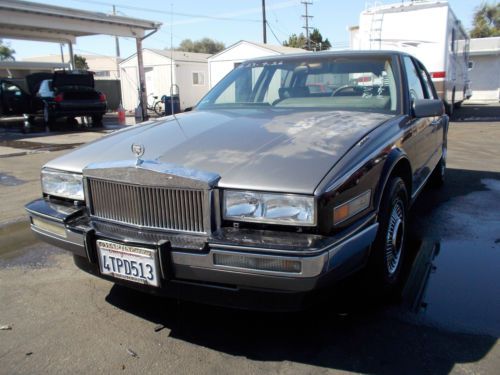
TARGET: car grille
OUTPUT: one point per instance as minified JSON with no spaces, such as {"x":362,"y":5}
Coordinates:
{"x":145,"y":206}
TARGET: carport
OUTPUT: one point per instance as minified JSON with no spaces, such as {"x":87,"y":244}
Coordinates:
{"x":48,"y":23}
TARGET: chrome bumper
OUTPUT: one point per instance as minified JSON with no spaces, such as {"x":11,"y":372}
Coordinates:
{"x":337,"y":258}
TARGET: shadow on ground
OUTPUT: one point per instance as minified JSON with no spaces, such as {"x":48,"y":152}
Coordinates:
{"x":351,"y":330}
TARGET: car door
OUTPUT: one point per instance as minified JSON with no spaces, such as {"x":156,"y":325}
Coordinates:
{"x":14,"y":100}
{"x":422,"y":142}
{"x":438,"y":122}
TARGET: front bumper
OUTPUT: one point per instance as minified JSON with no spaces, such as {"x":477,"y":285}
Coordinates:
{"x":190,"y":258}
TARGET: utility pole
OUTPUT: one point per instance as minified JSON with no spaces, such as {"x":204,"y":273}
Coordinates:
{"x":117,"y":46}
{"x":264,"y":22}
{"x":306,"y":17}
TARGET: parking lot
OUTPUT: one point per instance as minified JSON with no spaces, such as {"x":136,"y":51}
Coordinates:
{"x":56,"y":319}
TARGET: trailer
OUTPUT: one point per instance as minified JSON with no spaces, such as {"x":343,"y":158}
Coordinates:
{"x":428,"y":30}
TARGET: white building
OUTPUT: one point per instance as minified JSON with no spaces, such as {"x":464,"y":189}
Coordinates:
{"x":189,"y":73}
{"x":223,"y":62}
{"x":104,"y":67}
{"x":484,"y":61}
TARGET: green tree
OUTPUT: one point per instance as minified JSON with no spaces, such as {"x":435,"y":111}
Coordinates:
{"x":318,"y":43}
{"x":486,"y":21}
{"x":205,"y":45}
{"x":6,"y":53}
{"x":81,"y":63}
{"x":296,"y":41}
{"x":300,"y":41}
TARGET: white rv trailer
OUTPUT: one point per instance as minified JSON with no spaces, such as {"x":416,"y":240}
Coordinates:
{"x":428,"y":30}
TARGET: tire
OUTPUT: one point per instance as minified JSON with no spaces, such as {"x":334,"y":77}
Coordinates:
{"x":389,"y":247}
{"x":159,"y":109}
{"x":438,"y":175}
{"x":96,"y":120}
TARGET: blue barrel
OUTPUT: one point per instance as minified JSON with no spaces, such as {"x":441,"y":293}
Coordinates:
{"x":167,"y":100}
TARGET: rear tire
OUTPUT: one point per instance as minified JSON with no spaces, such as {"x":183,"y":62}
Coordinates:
{"x":159,"y":109}
{"x":389,"y":248}
{"x":96,"y":120}
{"x":438,"y":175}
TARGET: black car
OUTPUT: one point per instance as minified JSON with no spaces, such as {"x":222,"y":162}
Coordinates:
{"x":71,"y":94}
{"x":55,"y":95}
{"x":263,"y":193}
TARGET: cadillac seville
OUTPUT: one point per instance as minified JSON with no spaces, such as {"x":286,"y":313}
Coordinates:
{"x":269,"y":189}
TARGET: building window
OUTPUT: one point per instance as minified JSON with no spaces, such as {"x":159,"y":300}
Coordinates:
{"x":198,"y":78}
{"x":103,"y":73}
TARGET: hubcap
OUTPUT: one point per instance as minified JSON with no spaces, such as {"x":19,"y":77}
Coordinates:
{"x":395,"y":237}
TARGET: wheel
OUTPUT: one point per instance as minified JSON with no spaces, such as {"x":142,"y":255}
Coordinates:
{"x":388,"y":251}
{"x":159,"y":109}
{"x":96,"y":120}
{"x":439,"y":173}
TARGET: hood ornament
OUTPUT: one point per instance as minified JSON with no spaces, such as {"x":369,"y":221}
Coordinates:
{"x":138,"y":150}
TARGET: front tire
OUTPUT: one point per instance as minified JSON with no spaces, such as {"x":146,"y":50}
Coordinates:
{"x":389,"y":247}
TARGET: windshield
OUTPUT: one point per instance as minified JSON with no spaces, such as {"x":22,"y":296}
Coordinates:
{"x":361,"y":84}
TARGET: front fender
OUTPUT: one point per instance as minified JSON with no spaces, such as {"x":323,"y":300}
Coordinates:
{"x":396,"y":162}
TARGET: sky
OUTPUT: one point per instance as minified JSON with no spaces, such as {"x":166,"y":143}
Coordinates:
{"x":227,"y":21}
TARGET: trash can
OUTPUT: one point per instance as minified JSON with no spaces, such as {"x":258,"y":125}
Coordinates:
{"x":167,"y":101}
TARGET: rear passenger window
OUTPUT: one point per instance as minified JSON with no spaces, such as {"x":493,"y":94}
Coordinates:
{"x":414,"y":83}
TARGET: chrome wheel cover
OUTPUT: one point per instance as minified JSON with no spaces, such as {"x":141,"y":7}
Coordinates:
{"x":395,"y":237}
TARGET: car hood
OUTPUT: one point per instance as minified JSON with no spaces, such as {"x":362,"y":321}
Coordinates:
{"x":270,"y":150}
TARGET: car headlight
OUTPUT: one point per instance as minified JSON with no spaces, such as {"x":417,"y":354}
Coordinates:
{"x":287,"y":209}
{"x":62,"y":184}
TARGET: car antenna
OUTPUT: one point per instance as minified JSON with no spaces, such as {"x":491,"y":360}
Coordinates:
{"x":172,"y":85}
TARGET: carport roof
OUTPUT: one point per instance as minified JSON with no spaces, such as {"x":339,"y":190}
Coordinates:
{"x":35,"y":21}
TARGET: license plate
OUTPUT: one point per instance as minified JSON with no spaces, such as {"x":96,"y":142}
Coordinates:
{"x":127,"y":262}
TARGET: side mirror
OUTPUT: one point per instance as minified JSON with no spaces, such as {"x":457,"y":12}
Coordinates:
{"x":428,"y":107}
{"x":188,"y":109}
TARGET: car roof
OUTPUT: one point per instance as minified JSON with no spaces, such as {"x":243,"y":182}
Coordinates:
{"x":330,"y":54}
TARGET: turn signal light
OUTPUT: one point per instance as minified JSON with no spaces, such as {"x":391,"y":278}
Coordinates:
{"x":352,"y":207}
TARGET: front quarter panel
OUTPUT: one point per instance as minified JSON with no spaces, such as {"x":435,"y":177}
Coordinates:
{"x":363,"y":168}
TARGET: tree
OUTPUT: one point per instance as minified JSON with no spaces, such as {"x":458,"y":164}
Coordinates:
{"x":296,"y":41}
{"x":300,"y":41}
{"x":486,"y":21}
{"x":81,"y":63}
{"x":317,"y":42}
{"x":205,"y":45}
{"x":6,"y":53}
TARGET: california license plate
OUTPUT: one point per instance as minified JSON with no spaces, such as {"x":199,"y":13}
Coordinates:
{"x":137,"y":264}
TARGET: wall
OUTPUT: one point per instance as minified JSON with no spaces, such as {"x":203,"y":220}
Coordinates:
{"x":158,"y":74}
{"x":223,"y":63}
{"x":189,"y":93}
{"x":111,"y":88}
{"x":485,"y":78}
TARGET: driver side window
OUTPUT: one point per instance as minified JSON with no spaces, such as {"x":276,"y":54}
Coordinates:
{"x":414,"y":83}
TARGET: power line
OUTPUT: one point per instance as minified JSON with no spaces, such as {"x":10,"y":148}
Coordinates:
{"x":272,"y":32}
{"x":159,"y":11}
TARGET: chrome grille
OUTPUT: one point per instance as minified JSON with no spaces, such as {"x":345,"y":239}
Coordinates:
{"x":145,"y":206}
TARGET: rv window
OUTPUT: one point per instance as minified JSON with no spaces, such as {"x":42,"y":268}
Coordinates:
{"x":414,"y":83}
